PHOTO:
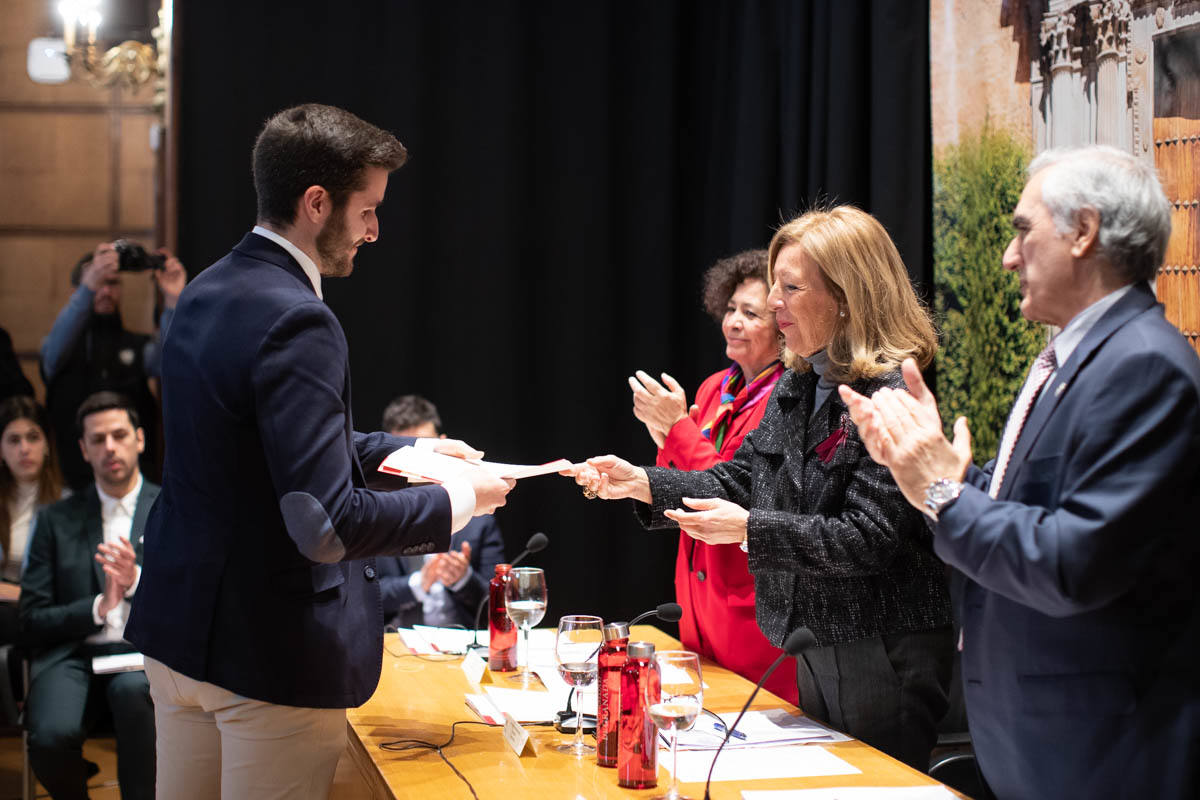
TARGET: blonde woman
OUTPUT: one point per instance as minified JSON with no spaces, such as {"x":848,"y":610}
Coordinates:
{"x":831,"y":542}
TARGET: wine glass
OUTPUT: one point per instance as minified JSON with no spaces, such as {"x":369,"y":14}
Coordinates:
{"x":576,"y":646}
{"x":677,"y":704}
{"x":525,"y":604}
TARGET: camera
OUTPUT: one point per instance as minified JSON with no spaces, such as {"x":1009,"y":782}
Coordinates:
{"x":132,"y":257}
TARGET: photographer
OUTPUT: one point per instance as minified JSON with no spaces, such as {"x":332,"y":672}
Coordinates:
{"x":89,"y":350}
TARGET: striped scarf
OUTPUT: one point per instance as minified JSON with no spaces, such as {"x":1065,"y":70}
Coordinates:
{"x":736,"y":396}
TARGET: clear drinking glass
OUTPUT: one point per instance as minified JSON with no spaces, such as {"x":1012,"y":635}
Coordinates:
{"x":525,"y":603}
{"x":680,"y":698}
{"x":576,"y":646}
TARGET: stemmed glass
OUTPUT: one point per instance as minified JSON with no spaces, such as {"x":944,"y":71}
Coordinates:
{"x":679,"y":700}
{"x":576,"y":646}
{"x":525,"y":603}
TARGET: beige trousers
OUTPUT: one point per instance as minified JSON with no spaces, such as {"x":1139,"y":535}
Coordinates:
{"x":213,"y":743}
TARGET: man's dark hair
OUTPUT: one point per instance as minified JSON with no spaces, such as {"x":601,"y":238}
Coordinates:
{"x":316,"y":145}
{"x":723,"y":278}
{"x":105,"y":401}
{"x":408,"y":411}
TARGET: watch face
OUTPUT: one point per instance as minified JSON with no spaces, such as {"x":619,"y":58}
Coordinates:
{"x":941,"y":491}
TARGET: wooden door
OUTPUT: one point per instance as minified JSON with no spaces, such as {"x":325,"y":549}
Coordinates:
{"x":1177,"y":156}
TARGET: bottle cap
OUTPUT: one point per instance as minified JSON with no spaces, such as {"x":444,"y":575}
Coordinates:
{"x":640,"y":650}
{"x":616,"y":630}
{"x":503,"y":569}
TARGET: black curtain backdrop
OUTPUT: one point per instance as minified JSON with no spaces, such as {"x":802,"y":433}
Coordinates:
{"x":574,"y":168}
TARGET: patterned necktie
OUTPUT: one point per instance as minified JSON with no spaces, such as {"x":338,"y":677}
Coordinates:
{"x":1043,"y":367}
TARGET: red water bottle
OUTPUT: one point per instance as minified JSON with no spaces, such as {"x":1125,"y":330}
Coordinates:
{"x":502,"y":633}
{"x":637,"y":753}
{"x":608,"y":704}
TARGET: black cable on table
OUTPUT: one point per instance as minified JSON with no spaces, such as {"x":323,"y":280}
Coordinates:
{"x":401,"y":745}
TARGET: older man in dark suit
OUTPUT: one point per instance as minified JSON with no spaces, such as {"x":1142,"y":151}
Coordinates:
{"x":83,"y":568}
{"x":259,"y":614}
{"x":1080,"y":608}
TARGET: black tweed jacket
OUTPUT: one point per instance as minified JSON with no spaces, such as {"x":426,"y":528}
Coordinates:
{"x":833,"y":546}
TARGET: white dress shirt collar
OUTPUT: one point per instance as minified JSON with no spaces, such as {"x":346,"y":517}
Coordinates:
{"x":1070,"y":336}
{"x":109,"y":505}
{"x":302,"y":258}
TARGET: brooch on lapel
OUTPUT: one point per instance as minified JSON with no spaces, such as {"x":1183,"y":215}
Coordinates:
{"x":827,"y":449}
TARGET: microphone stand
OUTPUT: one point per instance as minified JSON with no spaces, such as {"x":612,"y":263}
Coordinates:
{"x":796,"y":643}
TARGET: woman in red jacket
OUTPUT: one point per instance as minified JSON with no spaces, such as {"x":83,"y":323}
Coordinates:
{"x":713,"y":582}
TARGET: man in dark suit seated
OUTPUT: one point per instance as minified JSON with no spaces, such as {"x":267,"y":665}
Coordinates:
{"x":1080,"y":605}
{"x":442,"y":589}
{"x":83,"y":568}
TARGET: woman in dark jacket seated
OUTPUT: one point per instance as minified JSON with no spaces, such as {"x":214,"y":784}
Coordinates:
{"x":832,"y":543}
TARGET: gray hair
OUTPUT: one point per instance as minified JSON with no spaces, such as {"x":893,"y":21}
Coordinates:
{"x":1135,"y":217}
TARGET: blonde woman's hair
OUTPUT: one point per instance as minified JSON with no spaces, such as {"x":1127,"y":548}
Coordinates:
{"x":884,"y":322}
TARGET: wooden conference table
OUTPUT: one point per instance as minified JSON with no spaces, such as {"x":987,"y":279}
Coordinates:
{"x":419,"y":698}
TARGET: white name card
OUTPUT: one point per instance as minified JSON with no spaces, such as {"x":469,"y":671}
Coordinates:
{"x":517,"y":737}
{"x":475,"y":668}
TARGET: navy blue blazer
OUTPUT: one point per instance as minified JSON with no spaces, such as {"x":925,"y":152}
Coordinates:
{"x":401,"y":607}
{"x":251,"y":579}
{"x":1081,"y":613}
{"x":61,"y":581}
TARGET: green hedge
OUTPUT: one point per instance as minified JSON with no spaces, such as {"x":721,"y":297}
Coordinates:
{"x":987,"y":345}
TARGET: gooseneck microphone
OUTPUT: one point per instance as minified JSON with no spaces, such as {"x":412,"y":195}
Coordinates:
{"x":796,"y":643}
{"x":667,"y":612}
{"x":535,"y":544}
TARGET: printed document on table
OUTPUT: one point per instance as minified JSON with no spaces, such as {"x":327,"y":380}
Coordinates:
{"x":746,"y":764}
{"x":426,"y":466}
{"x":853,"y":793}
{"x":524,"y":706}
{"x":427,"y":639}
{"x":765,"y":728}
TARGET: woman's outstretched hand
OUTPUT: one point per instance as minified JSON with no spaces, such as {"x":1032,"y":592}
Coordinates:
{"x":610,"y":478}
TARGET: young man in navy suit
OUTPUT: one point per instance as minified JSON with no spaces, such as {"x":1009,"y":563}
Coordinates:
{"x":1080,"y":606}
{"x":259,"y":609}
{"x":83,"y":569}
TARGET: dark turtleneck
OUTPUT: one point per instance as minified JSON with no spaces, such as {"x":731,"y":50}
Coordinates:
{"x":819,"y":362}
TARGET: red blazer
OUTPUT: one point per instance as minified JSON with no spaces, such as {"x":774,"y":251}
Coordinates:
{"x":713,"y":582}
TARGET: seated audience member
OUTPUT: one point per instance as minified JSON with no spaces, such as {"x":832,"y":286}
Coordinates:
{"x":442,"y":589}
{"x":89,"y":350}
{"x":83,"y":567}
{"x":29,"y":480}
{"x":12,"y":379}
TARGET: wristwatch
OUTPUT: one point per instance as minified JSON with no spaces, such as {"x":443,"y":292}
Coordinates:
{"x":941,"y":493}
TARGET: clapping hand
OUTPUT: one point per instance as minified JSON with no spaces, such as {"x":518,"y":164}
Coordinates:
{"x":903,"y":431}
{"x":451,"y":566}
{"x":120,"y":572}
{"x":658,"y":407}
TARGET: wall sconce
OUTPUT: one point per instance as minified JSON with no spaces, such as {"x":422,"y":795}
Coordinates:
{"x":130,"y":64}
